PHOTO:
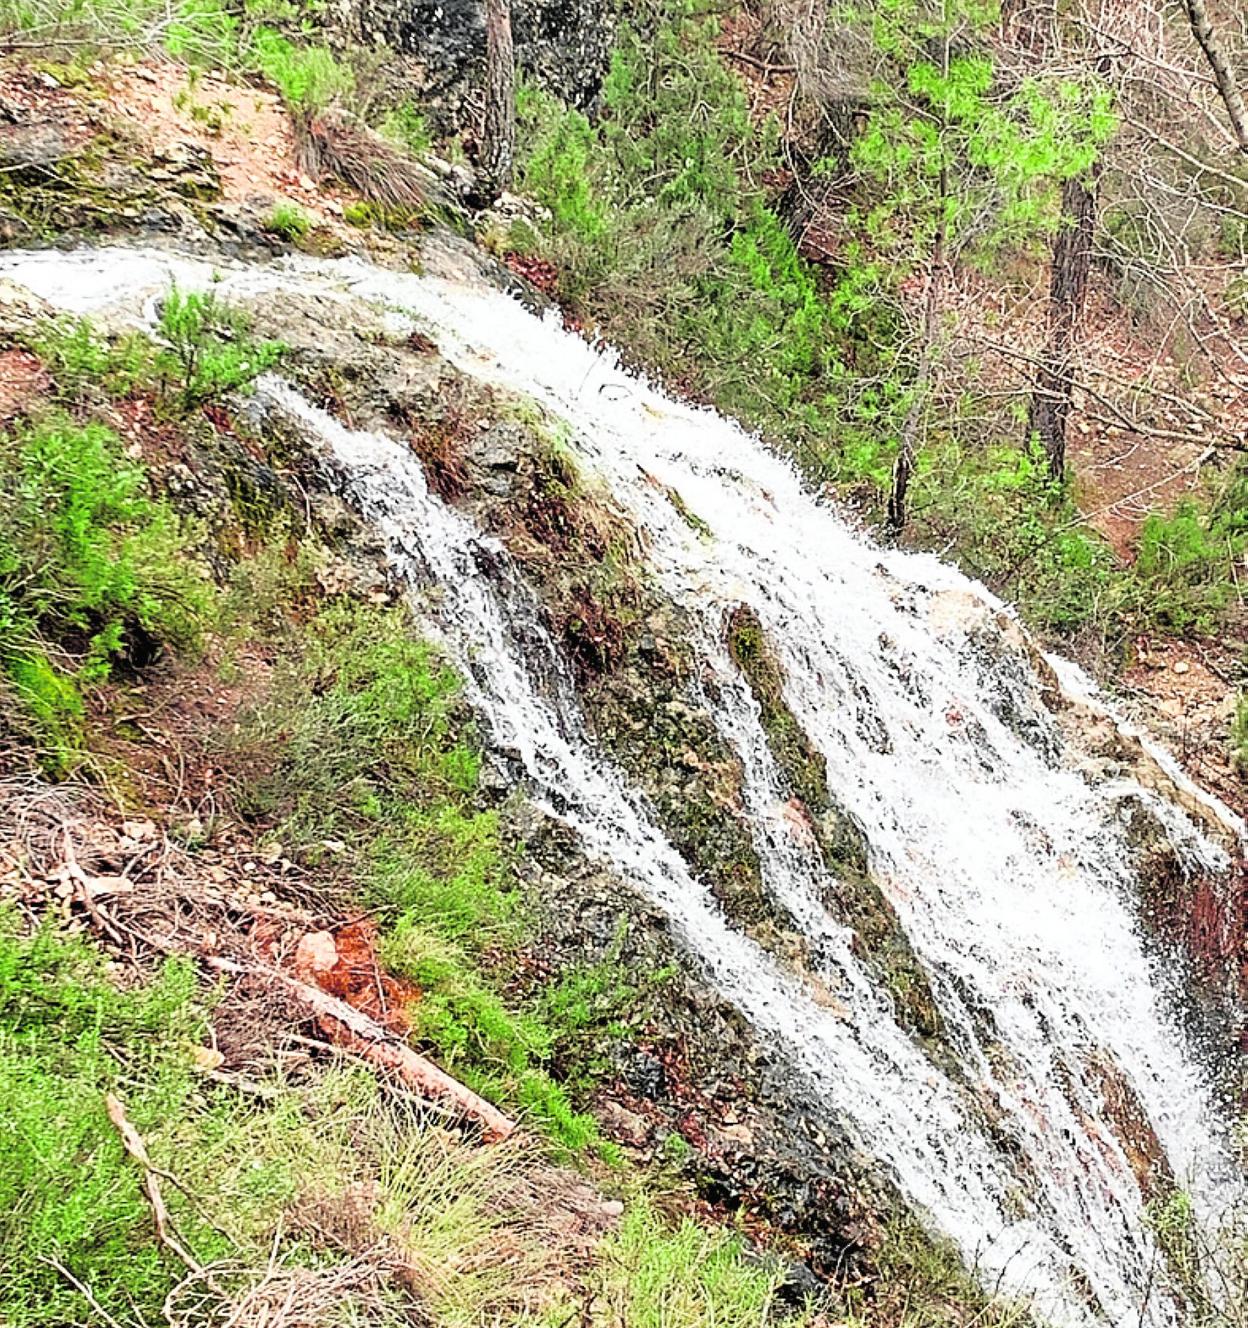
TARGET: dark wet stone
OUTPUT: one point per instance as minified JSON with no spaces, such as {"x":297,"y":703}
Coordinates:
{"x":645,"y":1075}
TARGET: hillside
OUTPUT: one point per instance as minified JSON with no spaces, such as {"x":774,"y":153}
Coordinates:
{"x":485,"y":840}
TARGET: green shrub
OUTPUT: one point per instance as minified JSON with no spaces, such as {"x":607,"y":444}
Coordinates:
{"x":360,"y":214}
{"x":1184,"y":569}
{"x":92,"y":569}
{"x":365,"y":722}
{"x":67,"y":1188}
{"x":663,"y":235}
{"x":289,"y":221}
{"x":205,"y":347}
{"x":308,"y":77}
{"x":81,"y":361}
{"x":84,"y":549}
{"x":407,"y":127}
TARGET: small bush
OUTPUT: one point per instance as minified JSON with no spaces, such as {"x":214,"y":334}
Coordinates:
{"x":1184,"y":569}
{"x":67,"y":1188}
{"x":308,"y":77}
{"x":407,"y":127}
{"x":82,"y":362}
{"x":205,"y":347}
{"x":85,"y":550}
{"x":93,"y":570}
{"x":289,"y":221}
{"x":364,"y":720}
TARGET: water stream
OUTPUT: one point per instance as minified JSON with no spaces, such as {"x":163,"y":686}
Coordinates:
{"x":1008,"y":867}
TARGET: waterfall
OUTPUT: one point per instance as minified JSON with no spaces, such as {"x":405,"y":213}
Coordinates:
{"x":1006,"y":863}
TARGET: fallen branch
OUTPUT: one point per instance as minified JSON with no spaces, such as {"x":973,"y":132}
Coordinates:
{"x":762,"y":66}
{"x":133,"y":1143}
{"x":381,"y":1047}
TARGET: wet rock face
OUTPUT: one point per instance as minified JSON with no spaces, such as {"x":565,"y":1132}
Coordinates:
{"x":854,"y":897}
{"x":693,"y":1083}
{"x":562,"y":44}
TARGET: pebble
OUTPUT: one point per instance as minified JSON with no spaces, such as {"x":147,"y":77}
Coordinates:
{"x":1182,"y":666}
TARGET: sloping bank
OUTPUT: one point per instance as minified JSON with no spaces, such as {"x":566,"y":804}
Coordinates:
{"x":703,"y":869}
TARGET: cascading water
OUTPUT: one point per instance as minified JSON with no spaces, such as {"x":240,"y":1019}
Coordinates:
{"x":1008,"y":869}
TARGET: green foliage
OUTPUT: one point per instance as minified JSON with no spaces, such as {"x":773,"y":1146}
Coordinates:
{"x":81,"y":361}
{"x":1185,"y":568}
{"x":289,"y":221}
{"x":92,"y":570}
{"x":946,"y":145}
{"x":202,"y":32}
{"x":372,"y":747}
{"x":201,"y":347}
{"x":308,"y":77}
{"x":689,"y":1277}
{"x":360,"y":214}
{"x":499,"y":1052}
{"x":406,"y":126}
{"x":205,"y":347}
{"x":67,"y":1189}
{"x":367,"y":725}
{"x":1012,"y":527}
{"x":662,"y":235}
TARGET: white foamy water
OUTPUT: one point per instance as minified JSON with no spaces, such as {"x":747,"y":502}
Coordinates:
{"x":1008,"y":868}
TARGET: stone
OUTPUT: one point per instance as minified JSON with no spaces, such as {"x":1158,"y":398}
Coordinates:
{"x":316,"y":952}
{"x":623,"y":1125}
{"x":563,"y":45}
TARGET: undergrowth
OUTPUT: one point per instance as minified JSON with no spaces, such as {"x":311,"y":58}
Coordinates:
{"x":95,"y":573}
{"x":304,"y":1177}
{"x":364,"y":741}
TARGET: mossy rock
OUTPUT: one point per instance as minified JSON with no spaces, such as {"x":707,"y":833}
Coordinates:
{"x":53,"y":184}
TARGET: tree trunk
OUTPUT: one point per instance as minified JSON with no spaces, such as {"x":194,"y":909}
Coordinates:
{"x":1068,"y":288}
{"x":1223,"y":74}
{"x":498,"y":135}
{"x":908,"y":451}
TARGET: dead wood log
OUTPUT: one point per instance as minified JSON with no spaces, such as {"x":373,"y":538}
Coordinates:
{"x":381,"y":1047}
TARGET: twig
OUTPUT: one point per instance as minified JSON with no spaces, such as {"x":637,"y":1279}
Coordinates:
{"x":754,"y":62}
{"x":82,"y":1288}
{"x":82,"y":888}
{"x":133,"y":1143}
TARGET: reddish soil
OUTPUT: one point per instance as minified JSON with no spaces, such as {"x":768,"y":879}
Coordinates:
{"x":21,"y":379}
{"x":246,"y":131}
